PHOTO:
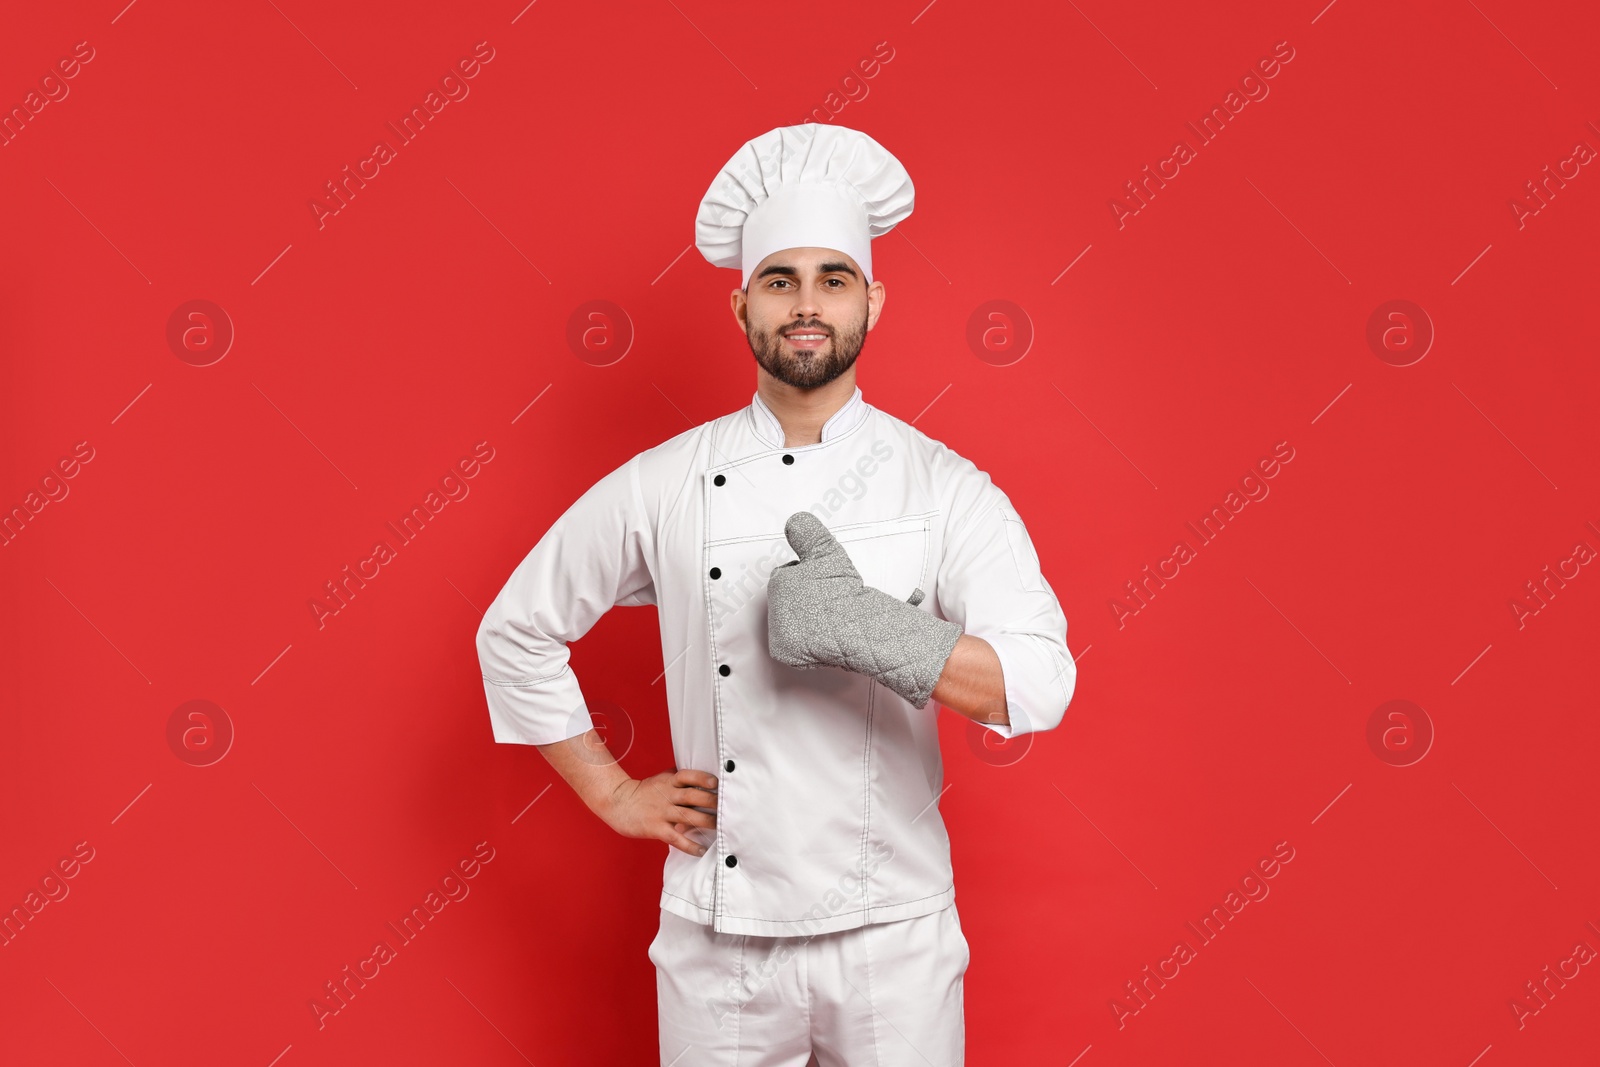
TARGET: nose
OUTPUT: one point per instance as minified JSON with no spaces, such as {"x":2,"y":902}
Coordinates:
{"x":806,"y":305}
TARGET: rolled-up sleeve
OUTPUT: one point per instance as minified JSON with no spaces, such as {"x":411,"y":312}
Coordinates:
{"x":594,"y":557}
{"x":990,"y":582}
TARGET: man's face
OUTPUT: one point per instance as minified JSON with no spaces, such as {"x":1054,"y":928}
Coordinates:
{"x":806,"y":314}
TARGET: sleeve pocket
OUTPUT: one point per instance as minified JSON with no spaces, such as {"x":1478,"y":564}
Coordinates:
{"x":1022,"y":553}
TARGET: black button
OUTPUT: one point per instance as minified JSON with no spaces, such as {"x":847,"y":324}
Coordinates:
{"x":716,"y":572}
{"x":718,"y":480}
{"x":732,"y":861}
{"x":788,"y":459}
{"x":724,"y":670}
{"x":727,"y":765}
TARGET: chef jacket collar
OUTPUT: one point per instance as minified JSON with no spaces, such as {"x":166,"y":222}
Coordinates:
{"x":770,"y":430}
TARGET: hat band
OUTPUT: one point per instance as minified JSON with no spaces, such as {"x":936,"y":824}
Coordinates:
{"x":811,"y":215}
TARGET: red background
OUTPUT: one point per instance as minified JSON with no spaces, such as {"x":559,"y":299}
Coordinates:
{"x":373,"y":352}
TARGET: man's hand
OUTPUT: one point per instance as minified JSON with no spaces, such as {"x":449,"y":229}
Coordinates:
{"x":663,"y":806}
{"x":820,"y":613}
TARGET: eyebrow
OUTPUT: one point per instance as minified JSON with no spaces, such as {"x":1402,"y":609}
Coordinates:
{"x":836,"y":267}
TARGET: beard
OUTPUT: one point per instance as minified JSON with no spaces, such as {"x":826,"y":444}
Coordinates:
{"x":809,"y":369}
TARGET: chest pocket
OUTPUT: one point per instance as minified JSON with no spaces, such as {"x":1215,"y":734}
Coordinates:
{"x":891,"y":554}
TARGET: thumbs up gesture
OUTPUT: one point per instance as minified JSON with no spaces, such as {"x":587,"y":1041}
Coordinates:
{"x":821,"y":614}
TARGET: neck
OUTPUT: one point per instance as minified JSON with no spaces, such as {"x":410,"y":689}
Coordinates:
{"x":802,"y":412}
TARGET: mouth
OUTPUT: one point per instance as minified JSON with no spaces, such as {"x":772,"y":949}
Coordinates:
{"x":806,"y":337}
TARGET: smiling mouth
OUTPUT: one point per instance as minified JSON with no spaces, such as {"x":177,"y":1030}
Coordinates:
{"x":806,"y":338}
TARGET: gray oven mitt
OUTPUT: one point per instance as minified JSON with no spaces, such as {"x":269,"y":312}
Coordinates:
{"x":821,"y":614}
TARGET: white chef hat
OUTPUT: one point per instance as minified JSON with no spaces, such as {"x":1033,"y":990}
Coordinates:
{"x":812,"y":185}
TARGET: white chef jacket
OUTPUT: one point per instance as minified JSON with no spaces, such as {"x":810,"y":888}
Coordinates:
{"x":828,"y":782}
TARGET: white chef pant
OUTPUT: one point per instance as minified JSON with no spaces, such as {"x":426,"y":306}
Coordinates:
{"x":881,"y":995}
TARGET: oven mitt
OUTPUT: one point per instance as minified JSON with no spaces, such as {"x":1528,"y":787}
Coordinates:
{"x":821,"y":614}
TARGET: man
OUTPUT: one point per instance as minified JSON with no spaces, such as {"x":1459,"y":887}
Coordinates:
{"x":822,"y":571}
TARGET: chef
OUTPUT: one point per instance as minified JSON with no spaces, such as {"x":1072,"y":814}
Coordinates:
{"x":823,"y":572}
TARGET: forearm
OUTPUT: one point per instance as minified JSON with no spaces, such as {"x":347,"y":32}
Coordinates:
{"x":972,"y":682}
{"x":588,"y":767}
